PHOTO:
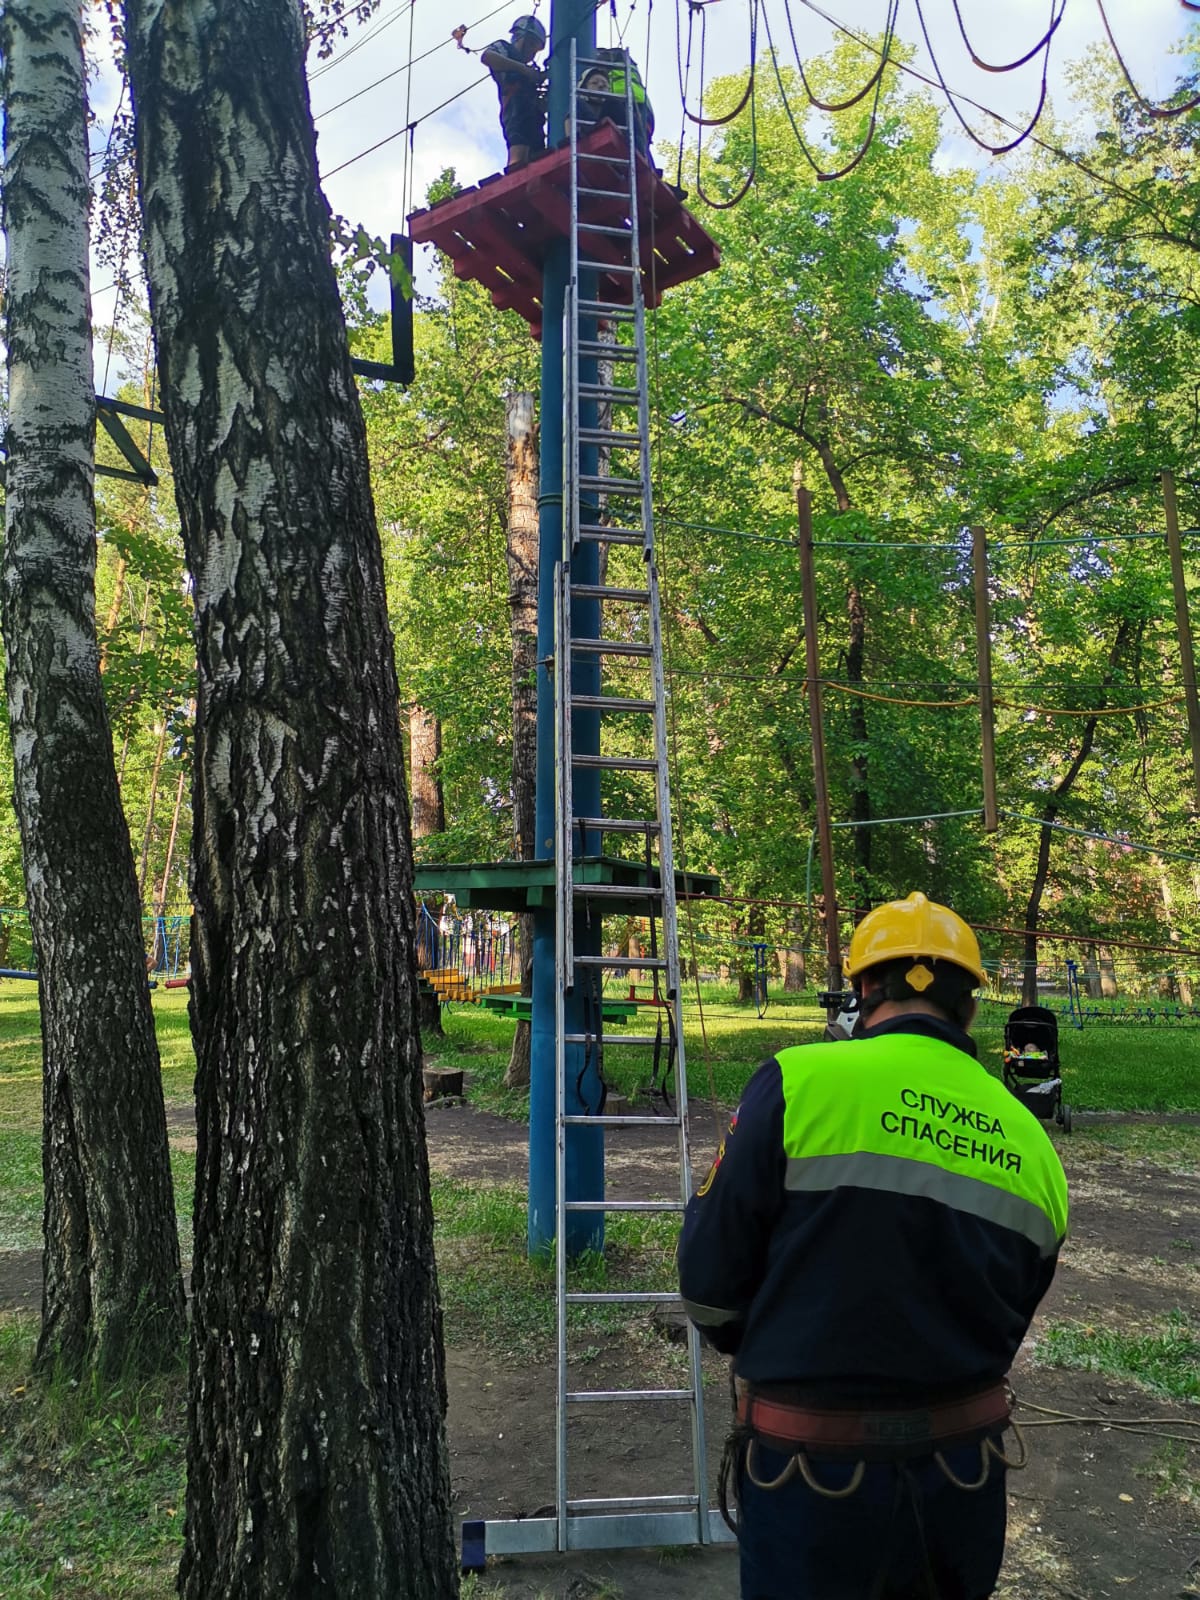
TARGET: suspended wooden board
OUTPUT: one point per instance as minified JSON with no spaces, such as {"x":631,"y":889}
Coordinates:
{"x":499,"y":232}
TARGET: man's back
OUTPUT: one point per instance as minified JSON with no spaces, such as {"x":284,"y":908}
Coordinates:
{"x":884,"y":1221}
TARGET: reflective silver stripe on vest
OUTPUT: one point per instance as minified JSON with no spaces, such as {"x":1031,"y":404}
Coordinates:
{"x":894,"y":1175}
{"x":709,"y":1316}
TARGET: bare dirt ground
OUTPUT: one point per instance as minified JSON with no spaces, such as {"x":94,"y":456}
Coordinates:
{"x":1091,"y":1518}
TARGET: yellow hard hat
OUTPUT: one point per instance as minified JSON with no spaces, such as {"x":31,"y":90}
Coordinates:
{"x":914,"y":927}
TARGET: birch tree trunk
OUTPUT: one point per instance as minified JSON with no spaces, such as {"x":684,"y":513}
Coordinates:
{"x":113,"y":1292}
{"x":316,"y":1454}
{"x":522,"y":555}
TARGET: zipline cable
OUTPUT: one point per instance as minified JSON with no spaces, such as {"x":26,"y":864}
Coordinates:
{"x":412,"y":62}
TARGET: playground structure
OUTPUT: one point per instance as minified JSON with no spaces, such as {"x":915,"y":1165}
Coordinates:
{"x":166,"y":938}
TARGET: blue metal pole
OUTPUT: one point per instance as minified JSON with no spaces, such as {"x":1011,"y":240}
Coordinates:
{"x":585,"y":1146}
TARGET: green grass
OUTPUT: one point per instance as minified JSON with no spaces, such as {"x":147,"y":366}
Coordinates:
{"x":91,"y":1481}
{"x":1110,"y":1069}
{"x":1171,"y":1472}
{"x":1172,"y":1146}
{"x":20,"y":1190}
{"x":1165,"y":1361}
{"x":494,"y":1294}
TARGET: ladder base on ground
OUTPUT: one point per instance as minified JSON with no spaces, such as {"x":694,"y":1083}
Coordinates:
{"x":624,"y":1531}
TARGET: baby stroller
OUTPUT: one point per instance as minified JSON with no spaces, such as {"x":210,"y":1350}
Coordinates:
{"x":1031,"y":1065}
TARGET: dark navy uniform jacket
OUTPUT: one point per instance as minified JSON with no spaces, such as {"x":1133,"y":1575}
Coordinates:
{"x":880,"y":1222}
{"x":522,"y":115}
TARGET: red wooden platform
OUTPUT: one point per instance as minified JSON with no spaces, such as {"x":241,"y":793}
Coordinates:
{"x":498,"y":233}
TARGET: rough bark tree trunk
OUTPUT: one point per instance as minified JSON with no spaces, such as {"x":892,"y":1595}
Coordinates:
{"x":428,"y":801}
{"x":1029,"y":990}
{"x":113,"y":1293}
{"x":316,"y":1452}
{"x":795,"y":973}
{"x":522,"y":554}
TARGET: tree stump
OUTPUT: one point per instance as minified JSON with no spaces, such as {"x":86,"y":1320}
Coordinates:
{"x":442,"y":1083}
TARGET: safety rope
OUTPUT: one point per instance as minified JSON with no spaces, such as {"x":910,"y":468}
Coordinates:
{"x":1008,"y":705}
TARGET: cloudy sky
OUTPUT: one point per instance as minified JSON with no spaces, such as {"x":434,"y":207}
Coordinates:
{"x":363,"y":95}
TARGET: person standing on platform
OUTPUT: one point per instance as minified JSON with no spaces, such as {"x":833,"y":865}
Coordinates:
{"x":870,"y":1245}
{"x":522,"y":107}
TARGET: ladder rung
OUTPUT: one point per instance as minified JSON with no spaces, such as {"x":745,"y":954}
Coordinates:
{"x":618,"y":824}
{"x":602,"y":227}
{"x":605,"y":352}
{"x":617,"y":1121}
{"x":612,"y":161}
{"x":631,"y":1297}
{"x":609,"y":267}
{"x":607,"y":308}
{"x":595,"y":534}
{"x":611,"y":702}
{"x":623,"y":1205}
{"x":615,"y":763}
{"x":610,"y":647}
{"x":599,"y":485}
{"x":635,"y":1502}
{"x":622,"y":963}
{"x":617,"y":891}
{"x":617,"y":441}
{"x":600,"y":591}
{"x":609,"y":530}
{"x":605,"y":391}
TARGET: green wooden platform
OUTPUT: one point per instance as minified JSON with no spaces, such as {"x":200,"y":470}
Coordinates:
{"x":518,"y":886}
{"x":520,"y":1007}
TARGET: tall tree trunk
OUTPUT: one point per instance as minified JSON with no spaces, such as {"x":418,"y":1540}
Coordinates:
{"x":316,"y":1452}
{"x":1029,"y":990}
{"x":113,"y":1293}
{"x":164,"y":887}
{"x":860,"y":790}
{"x":114,"y":612}
{"x":795,"y":973}
{"x":428,"y":801}
{"x":131,"y":701}
{"x":522,"y":555}
{"x":152,"y":807}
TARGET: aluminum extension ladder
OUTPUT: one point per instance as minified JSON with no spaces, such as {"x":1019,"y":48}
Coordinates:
{"x":614,"y":433}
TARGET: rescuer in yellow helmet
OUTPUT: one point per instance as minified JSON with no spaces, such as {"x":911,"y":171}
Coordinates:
{"x":870,"y":1245}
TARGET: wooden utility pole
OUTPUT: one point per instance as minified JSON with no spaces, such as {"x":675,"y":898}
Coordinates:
{"x":833,"y":953}
{"x":983,"y":663}
{"x":1187,"y":655}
